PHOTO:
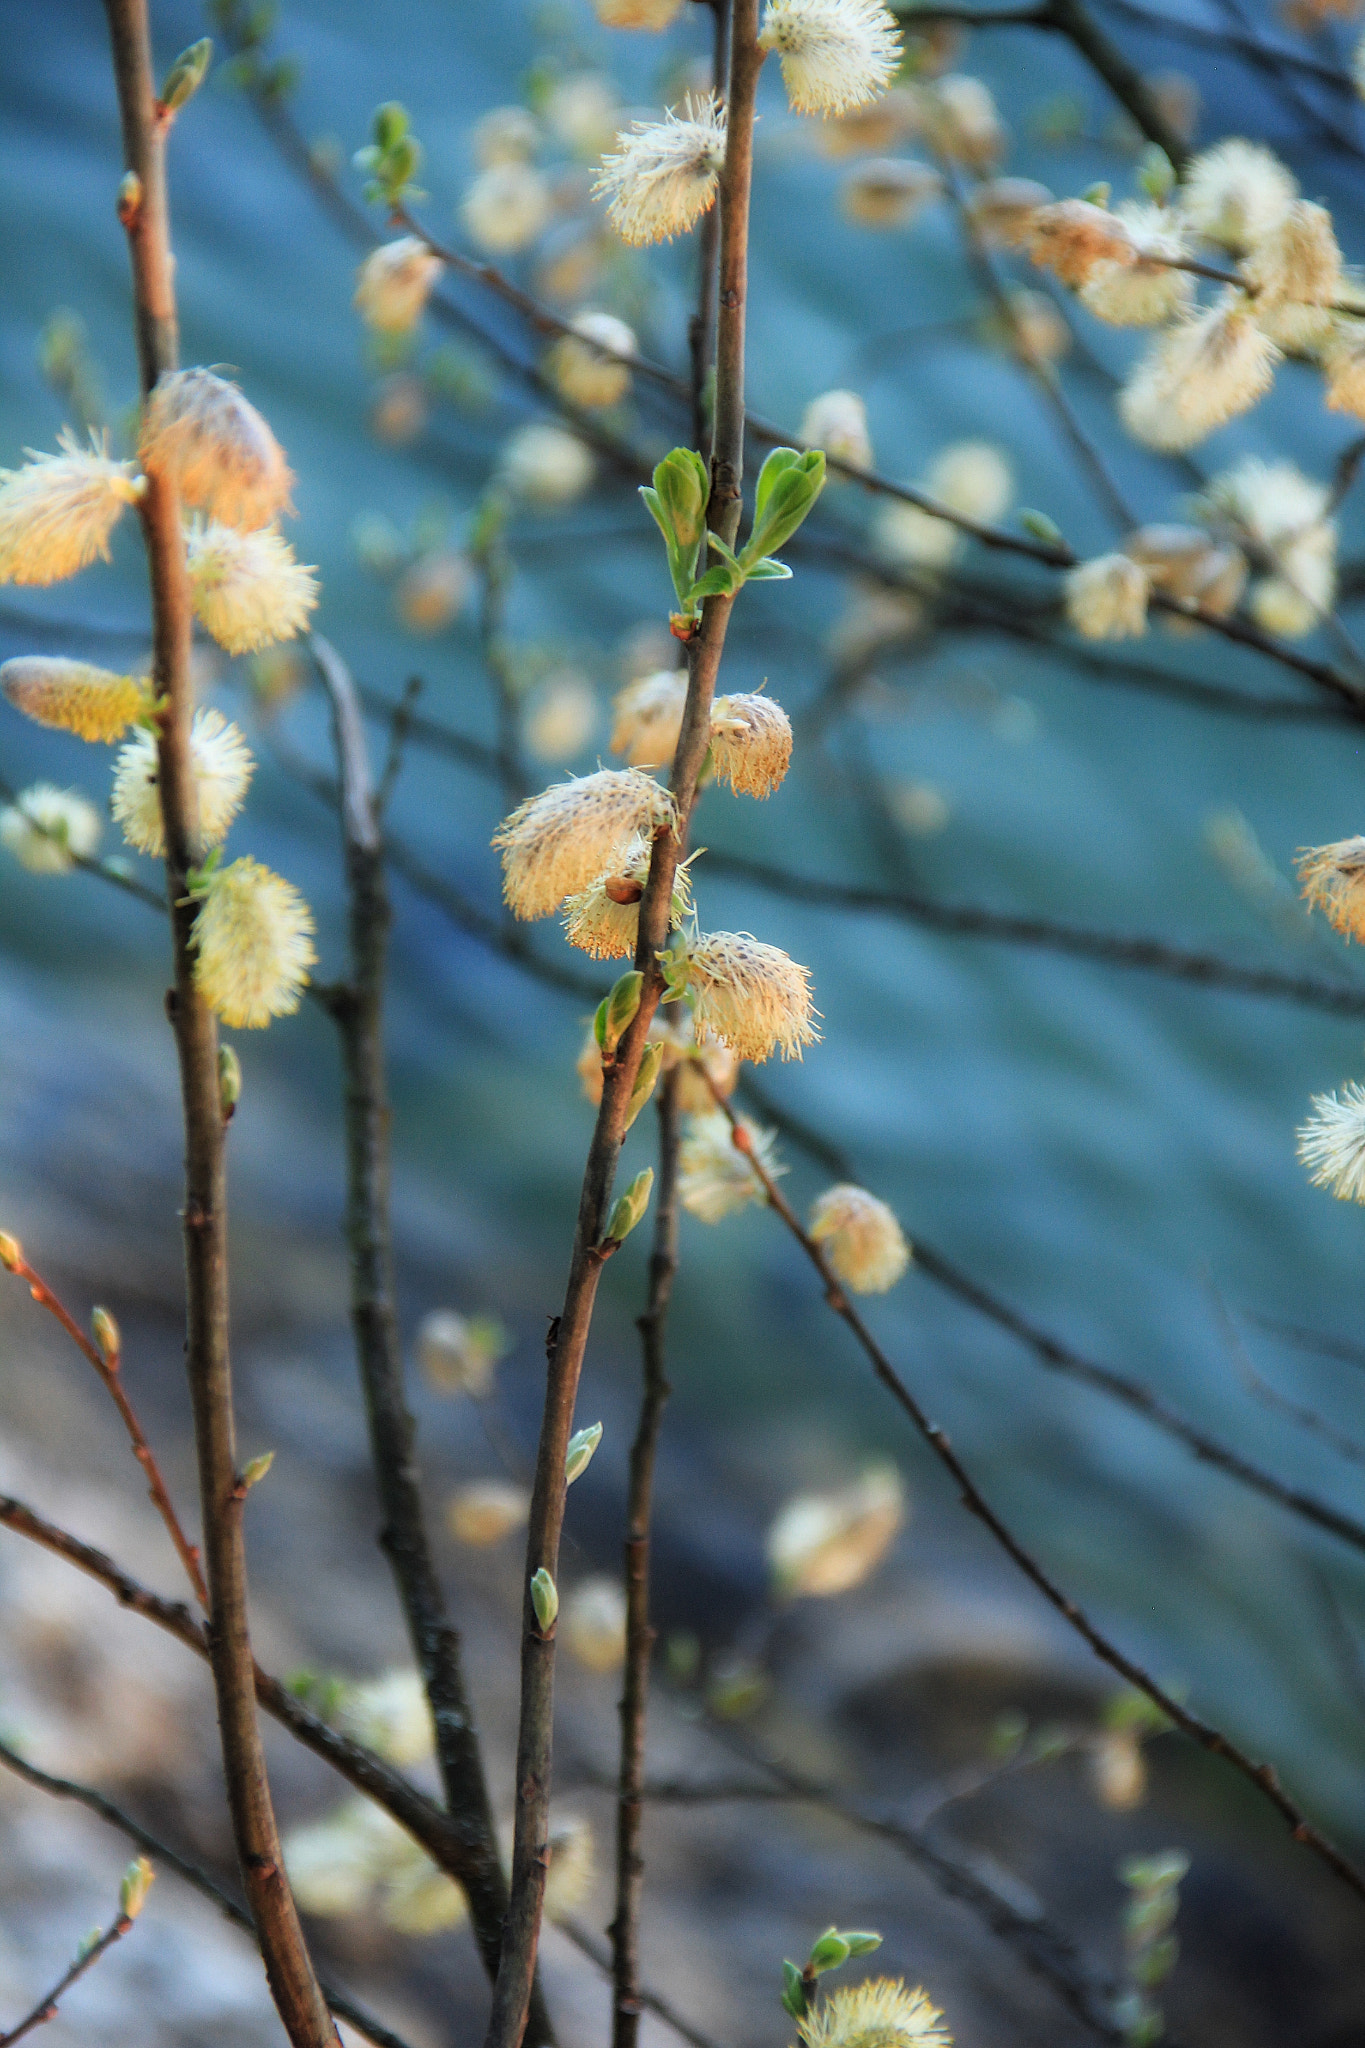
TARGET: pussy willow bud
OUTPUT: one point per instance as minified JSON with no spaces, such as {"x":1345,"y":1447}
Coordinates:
{"x":106,"y":1332}
{"x":11,"y":1252}
{"x":545,"y":1600}
{"x":186,"y":75}
{"x":616,"y":1012}
{"x":582,"y":1444}
{"x":138,"y":1879}
{"x":628,"y":1209}
{"x":229,"y":1081}
{"x":651,"y":1059}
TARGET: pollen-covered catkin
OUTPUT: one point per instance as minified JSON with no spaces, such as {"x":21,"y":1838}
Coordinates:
{"x":248,"y":589}
{"x":560,"y":841}
{"x":834,"y":54}
{"x":1332,"y":879}
{"x":582,"y":372}
{"x":1106,"y":599}
{"x":1072,"y":237}
{"x":882,"y":2013}
{"x":663,"y":175}
{"x":394,"y":283}
{"x":199,"y":429}
{"x":58,"y":511}
{"x":1236,"y":193}
{"x":254,"y":947}
{"x":714,"y":1176}
{"x":648,"y":718}
{"x":1198,"y":374}
{"x":860,"y":1237}
{"x":75,"y":697}
{"x":751,"y":743}
{"x":837,"y":422}
{"x":49,"y":829}
{"x":603,"y":920}
{"x":752,"y":996}
{"x":221,"y":765}
{"x":1331,"y":1143}
{"x":1147,"y":291}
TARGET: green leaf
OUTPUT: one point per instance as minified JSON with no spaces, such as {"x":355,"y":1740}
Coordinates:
{"x":777,"y":464}
{"x":651,"y":1059}
{"x":828,"y":1952}
{"x":629,"y":1209}
{"x":785,"y":495}
{"x":769,"y":570}
{"x":616,"y":1014}
{"x":793,"y":1991}
{"x":722,"y":581}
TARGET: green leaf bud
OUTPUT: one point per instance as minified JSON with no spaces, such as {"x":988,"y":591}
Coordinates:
{"x":106,"y":1332}
{"x":863,"y":1943}
{"x":616,"y":1012}
{"x":1156,"y":172}
{"x":255,"y":1469}
{"x":651,"y":1059}
{"x":229,"y":1081}
{"x":785,"y":496}
{"x":828,"y":1952}
{"x":683,"y":484}
{"x":582,"y":1444}
{"x":137,"y":1882}
{"x":186,"y":75}
{"x":793,"y":1991}
{"x":1098,"y":194}
{"x":389,"y":125}
{"x":545,"y":1600}
{"x":1041,"y":527}
{"x":628,"y":1209}
{"x":11,"y":1252}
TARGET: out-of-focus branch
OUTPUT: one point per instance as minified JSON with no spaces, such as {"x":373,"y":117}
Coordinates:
{"x":199,"y":1880}
{"x":358,"y":1009}
{"x":1262,"y":1776}
{"x":146,"y":219}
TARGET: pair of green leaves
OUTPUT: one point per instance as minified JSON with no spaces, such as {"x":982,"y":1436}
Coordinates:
{"x":393,"y":158}
{"x":834,"y":1947}
{"x":788,"y":485}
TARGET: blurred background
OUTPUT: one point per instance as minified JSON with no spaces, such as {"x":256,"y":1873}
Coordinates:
{"x":1109,"y":1152}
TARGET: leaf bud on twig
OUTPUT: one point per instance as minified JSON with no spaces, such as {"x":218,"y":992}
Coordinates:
{"x":186,"y":75}
{"x":11,"y":1252}
{"x":545,"y":1600}
{"x":582,"y":1444}
{"x":229,"y":1081}
{"x":137,"y":1882}
{"x":107,"y":1336}
{"x":616,"y":1012}
{"x":629,"y":1209}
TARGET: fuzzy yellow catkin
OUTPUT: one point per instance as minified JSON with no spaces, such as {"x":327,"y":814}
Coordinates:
{"x":1147,"y":291}
{"x":1001,"y":210}
{"x":881,"y":2013}
{"x":603,"y":920}
{"x":962,"y":121}
{"x":1331,"y":1144}
{"x":58,"y":511}
{"x":888,"y":192}
{"x":751,"y":743}
{"x":648,"y":718}
{"x":561,"y":717}
{"x":881,"y":124}
{"x":1296,"y":273}
{"x":592,"y":1626}
{"x":248,"y":589}
{"x":558,"y":842}
{"x":582,"y":372}
{"x":73,"y":696}
{"x":1072,"y":237}
{"x":572,"y":1863}
{"x":582,"y":111}
{"x":663,"y":175}
{"x":1106,"y":599}
{"x":1332,"y":879}
{"x":823,"y":1544}
{"x":837,"y":422}
{"x":507,"y":207}
{"x":752,"y":996}
{"x":394,"y":283}
{"x":834,"y":54}
{"x":714,"y":1176}
{"x":1184,"y":563}
{"x":48,"y":829}
{"x":1236,"y":193}
{"x":1198,"y":374}
{"x":483,"y":1512}
{"x":1343,"y":363}
{"x":220,"y":763}
{"x":198,"y":429}
{"x":431,"y":592}
{"x":862,"y":1241}
{"x":390,"y":1714}
{"x":458,"y":1354}
{"x":253,"y":941}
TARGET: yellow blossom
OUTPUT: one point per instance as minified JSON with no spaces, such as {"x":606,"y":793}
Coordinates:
{"x":483,"y":1512}
{"x":879,"y":2014}
{"x":715,"y":1176}
{"x":253,"y":937}
{"x":558,"y":842}
{"x":220,"y":763}
{"x":74,"y":697}
{"x":1199,"y":373}
{"x":1332,"y":1142}
{"x":592,"y":1625}
{"x":889,"y":191}
{"x":1332,"y":879}
{"x":1106,"y":599}
{"x":394,"y":283}
{"x":751,"y":743}
{"x":198,"y":429}
{"x":835,"y":54}
{"x":248,"y":589}
{"x":860,"y":1237}
{"x":49,"y":829}
{"x":827,"y":1543}
{"x":57,"y":512}
{"x":663,"y":175}
{"x":581,"y":370}
{"x":753,"y":996}
{"x":648,"y":718}
{"x":507,"y":207}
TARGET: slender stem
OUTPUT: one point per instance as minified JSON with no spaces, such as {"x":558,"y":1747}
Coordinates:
{"x":1208,"y":1737}
{"x":496,"y":570}
{"x":46,"y":2008}
{"x":288,"y":1965}
{"x":112,"y":1381}
{"x":359,"y":1013}
{"x":663,"y":1265}
{"x":199,"y":1880}
{"x":569,"y":1333}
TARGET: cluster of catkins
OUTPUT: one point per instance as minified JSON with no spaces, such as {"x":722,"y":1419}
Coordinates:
{"x":252,"y":933}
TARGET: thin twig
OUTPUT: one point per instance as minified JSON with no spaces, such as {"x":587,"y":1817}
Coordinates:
{"x":663,"y":1265}
{"x":358,"y":1010}
{"x":289,"y":1968}
{"x":1263,"y":1776}
{"x":344,"y":2006}
{"x":111,"y":1379}
{"x":596,"y":1952}
{"x":46,"y":2008}
{"x":1308,"y":1419}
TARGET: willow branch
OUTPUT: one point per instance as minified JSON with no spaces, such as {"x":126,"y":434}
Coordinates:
{"x":358,"y":1010}
{"x":289,"y":1968}
{"x":46,"y":2008}
{"x":110,"y":1377}
{"x":663,"y":1265}
{"x":199,"y":1880}
{"x":1262,"y":1776}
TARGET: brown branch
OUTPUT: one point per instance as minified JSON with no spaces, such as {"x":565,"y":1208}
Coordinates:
{"x":663,"y":1265}
{"x":289,"y":1969}
{"x":358,"y":1011}
{"x":569,"y":1332}
{"x":595,"y":1951}
{"x":1262,"y":1776}
{"x":199,"y":1880}
{"x":1308,"y":1419}
{"x":46,"y":2008}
